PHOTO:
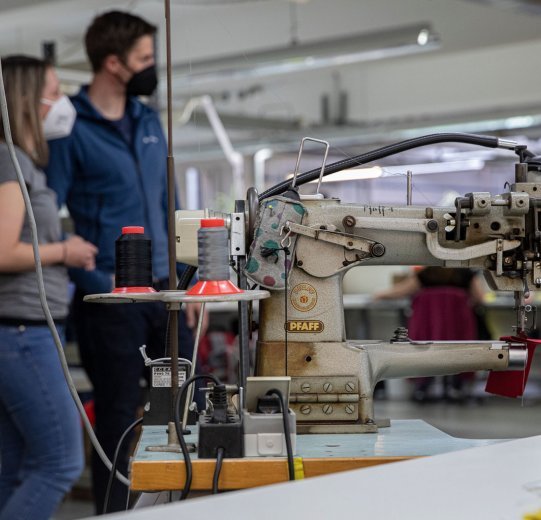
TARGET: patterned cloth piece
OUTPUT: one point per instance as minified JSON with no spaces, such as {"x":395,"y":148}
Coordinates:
{"x":267,"y":261}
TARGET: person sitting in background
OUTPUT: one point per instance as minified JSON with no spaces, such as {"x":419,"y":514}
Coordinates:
{"x":40,"y":436}
{"x":443,"y":309}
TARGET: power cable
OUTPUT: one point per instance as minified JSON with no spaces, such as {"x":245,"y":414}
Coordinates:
{"x":41,"y":287}
{"x":115,"y":462}
{"x":178,"y":427}
{"x":287,"y":431}
{"x":385,"y":151}
{"x":216,"y":477}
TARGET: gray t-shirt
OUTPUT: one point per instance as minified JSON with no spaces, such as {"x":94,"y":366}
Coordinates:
{"x":19,"y":296}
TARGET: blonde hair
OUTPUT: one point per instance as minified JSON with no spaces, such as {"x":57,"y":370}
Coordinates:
{"x":24,"y":79}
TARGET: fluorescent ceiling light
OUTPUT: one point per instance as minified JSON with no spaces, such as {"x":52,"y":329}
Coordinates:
{"x":356,"y":174}
{"x":364,"y":47}
{"x":437,"y":167}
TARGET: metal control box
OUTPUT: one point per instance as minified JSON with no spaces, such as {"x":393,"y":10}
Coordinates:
{"x":157,"y":411}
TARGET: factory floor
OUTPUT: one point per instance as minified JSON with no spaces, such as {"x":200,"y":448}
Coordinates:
{"x":478,"y":417}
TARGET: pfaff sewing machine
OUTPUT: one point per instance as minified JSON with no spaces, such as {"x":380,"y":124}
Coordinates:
{"x":303,"y":245}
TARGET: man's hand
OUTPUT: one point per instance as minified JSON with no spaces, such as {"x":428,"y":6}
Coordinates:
{"x":192,"y":315}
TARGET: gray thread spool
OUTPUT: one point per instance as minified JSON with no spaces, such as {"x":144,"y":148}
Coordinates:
{"x":213,"y":250}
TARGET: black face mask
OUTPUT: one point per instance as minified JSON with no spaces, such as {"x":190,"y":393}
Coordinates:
{"x":143,"y":83}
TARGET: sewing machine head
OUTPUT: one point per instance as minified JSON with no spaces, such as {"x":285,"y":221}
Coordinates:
{"x":300,"y":251}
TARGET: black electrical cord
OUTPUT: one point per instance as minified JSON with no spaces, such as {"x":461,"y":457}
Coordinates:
{"x":183,"y":282}
{"x":115,"y":462}
{"x":186,"y":277}
{"x":287,"y":431}
{"x":178,"y":427}
{"x":380,"y":153}
{"x":219,"y":460}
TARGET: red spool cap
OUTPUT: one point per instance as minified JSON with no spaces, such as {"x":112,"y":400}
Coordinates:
{"x":213,"y":288}
{"x":135,"y":230}
{"x":212,"y":222}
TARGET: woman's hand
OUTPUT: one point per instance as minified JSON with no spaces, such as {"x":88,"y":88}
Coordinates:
{"x":79,"y":253}
{"x":193,"y":310}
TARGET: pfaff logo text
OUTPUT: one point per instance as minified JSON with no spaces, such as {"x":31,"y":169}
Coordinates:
{"x":304,"y":326}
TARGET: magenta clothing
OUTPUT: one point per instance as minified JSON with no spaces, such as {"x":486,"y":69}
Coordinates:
{"x":442,"y":314}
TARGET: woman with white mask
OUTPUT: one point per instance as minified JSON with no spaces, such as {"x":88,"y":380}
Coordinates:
{"x":40,"y":436}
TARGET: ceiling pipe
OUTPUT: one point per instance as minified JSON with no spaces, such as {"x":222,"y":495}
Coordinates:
{"x":235,"y":159}
{"x":302,"y":57}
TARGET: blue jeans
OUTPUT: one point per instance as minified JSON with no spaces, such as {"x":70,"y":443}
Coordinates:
{"x":41,"y":452}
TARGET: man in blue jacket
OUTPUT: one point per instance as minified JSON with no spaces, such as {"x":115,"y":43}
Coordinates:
{"x":111,"y":172}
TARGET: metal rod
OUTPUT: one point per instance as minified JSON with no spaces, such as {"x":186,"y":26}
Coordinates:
{"x":194,"y":362}
{"x":521,"y":314}
{"x":244,"y":319}
{"x":173,"y":329}
{"x":244,"y":351}
{"x":409,"y":187}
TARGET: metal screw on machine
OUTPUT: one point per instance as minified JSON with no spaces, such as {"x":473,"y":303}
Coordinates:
{"x":432,"y":225}
{"x":350,"y":386}
{"x":349,"y":221}
{"x":327,"y":409}
{"x":349,"y":408}
{"x":378,"y":250}
{"x":305,"y":387}
{"x":305,"y":409}
{"x":327,"y":387}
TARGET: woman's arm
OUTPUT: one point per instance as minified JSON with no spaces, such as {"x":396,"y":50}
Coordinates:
{"x":477,"y":290}
{"x":402,"y":289}
{"x":17,"y":256}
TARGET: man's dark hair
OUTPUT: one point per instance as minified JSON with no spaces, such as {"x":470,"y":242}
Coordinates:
{"x":114,"y":32}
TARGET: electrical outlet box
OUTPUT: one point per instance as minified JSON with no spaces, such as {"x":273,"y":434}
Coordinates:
{"x":219,"y":435}
{"x":264,"y":434}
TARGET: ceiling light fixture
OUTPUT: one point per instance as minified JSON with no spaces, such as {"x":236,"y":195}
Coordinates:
{"x":370,"y":46}
{"x":356,"y":174}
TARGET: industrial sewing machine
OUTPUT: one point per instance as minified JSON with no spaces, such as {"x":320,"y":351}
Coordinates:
{"x":301,"y":247}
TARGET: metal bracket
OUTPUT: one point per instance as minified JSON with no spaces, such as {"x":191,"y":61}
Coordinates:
{"x":349,"y":242}
{"x":296,"y":172}
{"x":238,"y":234}
{"x":433,"y":245}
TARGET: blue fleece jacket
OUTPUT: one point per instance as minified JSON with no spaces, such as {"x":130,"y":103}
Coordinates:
{"x":108,"y":184}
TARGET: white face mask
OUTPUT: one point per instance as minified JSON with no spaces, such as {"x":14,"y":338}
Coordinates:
{"x":60,"y":119}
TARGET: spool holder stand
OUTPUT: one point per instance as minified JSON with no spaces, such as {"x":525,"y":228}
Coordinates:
{"x":173,"y":300}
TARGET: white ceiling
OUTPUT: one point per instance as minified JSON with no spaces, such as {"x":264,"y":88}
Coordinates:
{"x":481,"y":66}
{"x":203,"y":29}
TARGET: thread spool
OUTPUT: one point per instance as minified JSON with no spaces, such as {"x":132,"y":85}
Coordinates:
{"x":213,"y":259}
{"x":133,"y":261}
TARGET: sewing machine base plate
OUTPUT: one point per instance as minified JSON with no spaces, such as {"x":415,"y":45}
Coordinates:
{"x":314,"y":428}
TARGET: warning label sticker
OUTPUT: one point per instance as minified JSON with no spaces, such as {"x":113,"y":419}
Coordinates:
{"x":161,"y":377}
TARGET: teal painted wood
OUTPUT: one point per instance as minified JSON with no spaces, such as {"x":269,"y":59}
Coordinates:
{"x":405,"y":438}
